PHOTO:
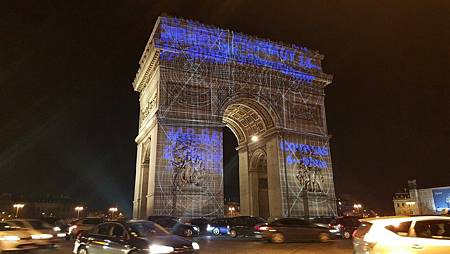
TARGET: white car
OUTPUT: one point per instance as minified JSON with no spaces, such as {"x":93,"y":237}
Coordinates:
{"x":402,"y":235}
{"x":13,"y":238}
{"x":44,"y":234}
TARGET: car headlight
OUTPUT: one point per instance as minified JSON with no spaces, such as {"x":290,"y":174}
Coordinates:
{"x":56,"y":229}
{"x":209,"y":228}
{"x":196,"y":228}
{"x":195,"y":246}
{"x":9,"y":238}
{"x":156,"y":248}
{"x":41,"y":236}
{"x":61,"y":235}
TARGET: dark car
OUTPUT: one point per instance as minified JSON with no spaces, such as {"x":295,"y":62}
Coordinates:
{"x":220,"y":226}
{"x":245,"y":226}
{"x":173,"y":225}
{"x":81,"y":225}
{"x":132,"y":237}
{"x":322,"y":221}
{"x":201,"y":223}
{"x":344,"y":226}
{"x":294,"y":230}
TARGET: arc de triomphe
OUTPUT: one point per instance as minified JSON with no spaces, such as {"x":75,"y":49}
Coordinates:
{"x":193,"y":81}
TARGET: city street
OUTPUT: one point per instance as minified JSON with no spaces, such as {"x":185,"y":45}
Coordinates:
{"x":228,"y":245}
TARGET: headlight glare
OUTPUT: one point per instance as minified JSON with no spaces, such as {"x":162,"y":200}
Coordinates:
{"x":156,"y":248}
{"x":9,"y":238}
{"x":195,"y":246}
{"x":41,"y":236}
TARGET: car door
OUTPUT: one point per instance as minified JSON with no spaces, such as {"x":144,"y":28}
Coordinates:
{"x":300,"y":230}
{"x":96,"y":240}
{"x":430,"y":237}
{"x":117,"y":240}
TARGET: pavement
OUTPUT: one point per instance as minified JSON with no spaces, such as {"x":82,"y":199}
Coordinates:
{"x":225,"y":245}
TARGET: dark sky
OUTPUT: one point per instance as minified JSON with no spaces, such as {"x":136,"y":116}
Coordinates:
{"x":69,"y":114}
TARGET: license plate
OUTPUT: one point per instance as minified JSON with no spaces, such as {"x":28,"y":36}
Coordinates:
{"x":258,"y":236}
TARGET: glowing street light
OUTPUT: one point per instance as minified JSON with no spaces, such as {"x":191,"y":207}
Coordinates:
{"x":18,"y":206}
{"x":79,"y":209}
{"x":113,"y":210}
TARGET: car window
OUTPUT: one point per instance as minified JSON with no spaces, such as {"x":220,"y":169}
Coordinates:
{"x":437,"y":229}
{"x":37,"y":224}
{"x":103,"y":229}
{"x":7,"y":227}
{"x":18,"y":223}
{"x":401,"y":229}
{"x":167,"y":223}
{"x":118,"y":231}
{"x":145,"y":229}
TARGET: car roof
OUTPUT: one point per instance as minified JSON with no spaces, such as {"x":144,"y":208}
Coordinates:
{"x":397,"y":219}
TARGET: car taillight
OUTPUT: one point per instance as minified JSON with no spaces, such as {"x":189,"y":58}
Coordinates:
{"x":264,"y":228}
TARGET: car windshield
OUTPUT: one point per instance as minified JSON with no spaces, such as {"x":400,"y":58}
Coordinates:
{"x":146,"y":228}
{"x":37,"y":224}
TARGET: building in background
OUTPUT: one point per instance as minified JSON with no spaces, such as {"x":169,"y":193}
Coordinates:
{"x":36,"y":206}
{"x":415,"y":201}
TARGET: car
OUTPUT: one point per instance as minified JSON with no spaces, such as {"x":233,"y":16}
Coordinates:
{"x":219,"y":226}
{"x":293,"y":230}
{"x":13,"y":238}
{"x":81,"y":225}
{"x":322,"y":221}
{"x":246,"y":226}
{"x":403,"y":234}
{"x":44,"y":234}
{"x":201,"y":223}
{"x":174,"y":225}
{"x":131,"y":237}
{"x":344,"y":227}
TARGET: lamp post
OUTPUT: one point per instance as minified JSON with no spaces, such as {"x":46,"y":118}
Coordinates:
{"x":113,"y":210}
{"x":79,"y":209}
{"x":357,"y":207}
{"x":18,"y":206}
{"x":231,"y":209}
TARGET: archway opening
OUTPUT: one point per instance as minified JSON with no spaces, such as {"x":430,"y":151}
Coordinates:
{"x":250,"y":124}
{"x":230,"y":167}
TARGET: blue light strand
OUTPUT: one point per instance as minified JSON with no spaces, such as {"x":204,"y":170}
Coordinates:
{"x":222,"y":47}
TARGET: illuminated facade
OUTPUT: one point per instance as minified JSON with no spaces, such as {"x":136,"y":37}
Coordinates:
{"x":422,"y":201}
{"x":193,"y":81}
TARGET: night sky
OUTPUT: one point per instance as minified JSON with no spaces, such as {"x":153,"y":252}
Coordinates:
{"x":69,"y":114}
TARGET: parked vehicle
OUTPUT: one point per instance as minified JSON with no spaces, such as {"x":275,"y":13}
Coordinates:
{"x":401,"y":234}
{"x":131,"y":237}
{"x":43,"y":233}
{"x":220,"y":226}
{"x":344,"y":226}
{"x":293,"y":230}
{"x":81,"y":225}
{"x":173,"y":225}
{"x":201,"y":223}
{"x":245,"y":226}
{"x":13,"y":238}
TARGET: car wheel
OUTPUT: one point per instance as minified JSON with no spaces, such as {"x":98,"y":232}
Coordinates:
{"x":188,"y":232}
{"x":216,"y":231}
{"x":233,"y":233}
{"x":347,"y":235}
{"x":82,"y":250}
{"x":324,"y":237}
{"x":278,"y":238}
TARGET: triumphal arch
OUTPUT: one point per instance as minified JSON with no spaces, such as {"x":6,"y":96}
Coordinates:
{"x":194,"y":80}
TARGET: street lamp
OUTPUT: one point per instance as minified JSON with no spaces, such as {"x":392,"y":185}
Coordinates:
{"x":113,"y":210}
{"x":79,"y":209}
{"x":357,"y":207}
{"x":18,"y":206}
{"x":231,"y":209}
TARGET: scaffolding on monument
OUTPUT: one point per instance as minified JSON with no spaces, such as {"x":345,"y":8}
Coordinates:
{"x":197,"y":60}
